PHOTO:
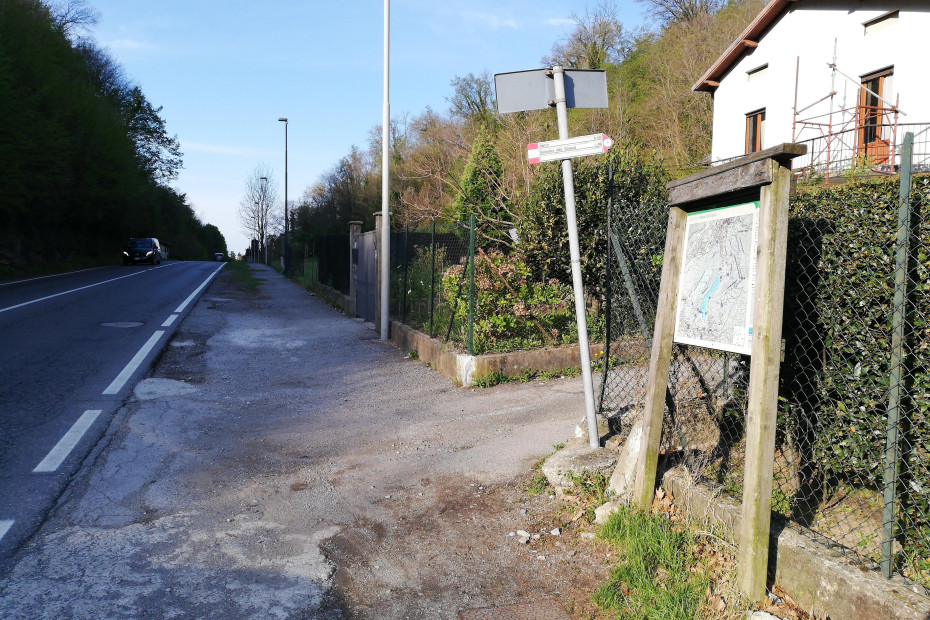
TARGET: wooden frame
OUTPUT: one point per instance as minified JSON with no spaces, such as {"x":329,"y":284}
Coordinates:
{"x":763,"y":176}
{"x":870,"y":118}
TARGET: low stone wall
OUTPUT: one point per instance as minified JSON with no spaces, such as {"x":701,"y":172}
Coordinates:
{"x":820,"y":579}
{"x":464,"y":369}
{"x":336,"y":298}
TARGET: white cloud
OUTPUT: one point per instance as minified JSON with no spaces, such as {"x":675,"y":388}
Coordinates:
{"x":560,"y":21}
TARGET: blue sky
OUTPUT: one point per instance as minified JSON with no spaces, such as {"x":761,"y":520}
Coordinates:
{"x":225,"y":71}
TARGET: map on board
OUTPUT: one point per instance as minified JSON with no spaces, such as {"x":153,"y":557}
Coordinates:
{"x":718,"y":273}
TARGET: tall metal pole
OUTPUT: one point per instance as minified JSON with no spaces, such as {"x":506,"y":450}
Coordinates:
{"x":561,"y":109}
{"x":287,"y":247}
{"x":386,"y":181}
{"x":264,"y":215}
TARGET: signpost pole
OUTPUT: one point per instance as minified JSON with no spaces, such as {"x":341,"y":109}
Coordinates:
{"x":385,"y":315}
{"x":561,"y":109}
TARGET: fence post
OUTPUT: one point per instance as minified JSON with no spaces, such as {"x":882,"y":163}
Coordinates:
{"x":403,"y":311}
{"x":432,"y":275}
{"x":471,"y":287}
{"x":898,"y":318}
{"x":355,"y":229}
{"x":607,"y":290}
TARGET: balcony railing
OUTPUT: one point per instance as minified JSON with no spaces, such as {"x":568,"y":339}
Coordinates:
{"x":835,"y":154}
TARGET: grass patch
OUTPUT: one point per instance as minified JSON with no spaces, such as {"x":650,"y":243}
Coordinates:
{"x":659,"y":576}
{"x":538,"y":485}
{"x":242,"y":273}
{"x":527,"y":375}
{"x":495,"y":378}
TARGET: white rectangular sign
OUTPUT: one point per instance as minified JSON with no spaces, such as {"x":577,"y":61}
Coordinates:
{"x":582,"y":146}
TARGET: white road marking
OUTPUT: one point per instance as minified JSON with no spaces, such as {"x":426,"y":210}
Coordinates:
{"x":171,"y":319}
{"x":199,"y":288}
{"x":5,"y":526}
{"x":66,"y":444}
{"x":133,"y":364}
{"x":54,"y":275}
{"x":74,"y":290}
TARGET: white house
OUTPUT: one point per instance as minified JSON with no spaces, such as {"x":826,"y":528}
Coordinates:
{"x":848,"y":77}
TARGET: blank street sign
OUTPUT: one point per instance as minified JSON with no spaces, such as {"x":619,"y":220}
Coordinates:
{"x":534,"y":90}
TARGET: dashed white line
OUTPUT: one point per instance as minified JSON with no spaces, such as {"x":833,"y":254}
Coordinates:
{"x":133,"y":364}
{"x":171,"y":319}
{"x":74,"y":290}
{"x":66,"y":444}
{"x":5,"y":526}
{"x":199,"y":288}
{"x":54,"y":275}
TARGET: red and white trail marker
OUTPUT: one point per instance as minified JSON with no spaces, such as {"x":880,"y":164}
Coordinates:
{"x":555,"y":150}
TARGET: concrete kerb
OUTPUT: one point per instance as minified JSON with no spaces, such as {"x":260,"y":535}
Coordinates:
{"x":464,"y":369}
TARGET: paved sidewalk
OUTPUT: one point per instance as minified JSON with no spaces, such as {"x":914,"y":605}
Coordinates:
{"x":281,"y":462}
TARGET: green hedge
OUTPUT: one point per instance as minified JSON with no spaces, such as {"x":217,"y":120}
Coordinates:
{"x":838,"y":314}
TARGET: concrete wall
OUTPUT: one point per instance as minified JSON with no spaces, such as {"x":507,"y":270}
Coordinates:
{"x":464,"y":369}
{"x":820,"y":579}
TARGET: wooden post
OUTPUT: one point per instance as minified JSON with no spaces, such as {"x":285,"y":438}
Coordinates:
{"x":763,"y":176}
{"x":763,"y":384}
{"x":659,"y":360}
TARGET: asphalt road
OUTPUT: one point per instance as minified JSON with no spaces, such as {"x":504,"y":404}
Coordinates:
{"x":72,"y":347}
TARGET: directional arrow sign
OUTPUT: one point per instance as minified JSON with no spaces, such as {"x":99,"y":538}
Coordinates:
{"x":556,"y":150}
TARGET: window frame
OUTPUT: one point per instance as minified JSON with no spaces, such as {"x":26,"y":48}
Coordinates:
{"x":755,"y":131}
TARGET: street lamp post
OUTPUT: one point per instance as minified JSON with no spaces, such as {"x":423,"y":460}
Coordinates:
{"x":287,"y":246}
{"x":262,"y":215}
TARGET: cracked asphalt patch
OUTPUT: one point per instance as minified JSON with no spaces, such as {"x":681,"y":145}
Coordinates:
{"x":281,"y":462}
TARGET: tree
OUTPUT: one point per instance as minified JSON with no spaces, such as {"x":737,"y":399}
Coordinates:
{"x":73,"y":16}
{"x":482,"y":194}
{"x":158,"y":155}
{"x":658,"y":75}
{"x":428,"y":175}
{"x":668,"y":11}
{"x":597,"y":41}
{"x":473,"y":98}
{"x":213,"y":239}
{"x":258,"y":206}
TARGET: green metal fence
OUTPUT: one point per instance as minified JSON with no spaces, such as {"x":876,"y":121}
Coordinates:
{"x":481,"y":299}
{"x":432,"y":281}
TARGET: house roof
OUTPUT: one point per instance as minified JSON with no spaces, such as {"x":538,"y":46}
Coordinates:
{"x":746,"y":41}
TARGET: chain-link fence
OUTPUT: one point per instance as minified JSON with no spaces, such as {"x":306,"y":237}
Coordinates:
{"x":481,"y":299}
{"x":851,"y":462}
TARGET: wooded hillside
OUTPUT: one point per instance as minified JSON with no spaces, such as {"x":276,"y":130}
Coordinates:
{"x":85,"y":159}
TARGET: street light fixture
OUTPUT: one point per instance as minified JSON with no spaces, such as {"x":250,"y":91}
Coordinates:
{"x":287,"y":246}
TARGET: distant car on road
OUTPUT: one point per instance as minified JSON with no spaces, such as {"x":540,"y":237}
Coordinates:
{"x":142,"y":250}
{"x":219,"y":257}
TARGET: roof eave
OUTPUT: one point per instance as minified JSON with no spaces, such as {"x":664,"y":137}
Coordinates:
{"x":747,"y":40}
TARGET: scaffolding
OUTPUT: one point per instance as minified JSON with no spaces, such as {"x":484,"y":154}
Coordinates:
{"x":863,"y":136}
